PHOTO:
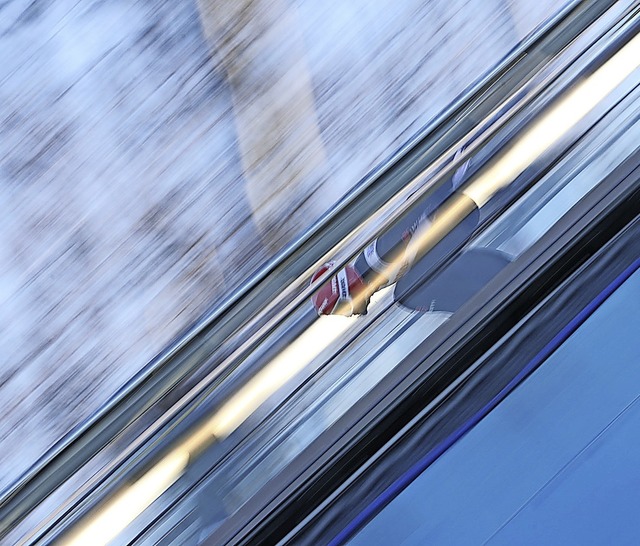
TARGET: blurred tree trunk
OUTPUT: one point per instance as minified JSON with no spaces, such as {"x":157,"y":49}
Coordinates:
{"x":260,"y":46}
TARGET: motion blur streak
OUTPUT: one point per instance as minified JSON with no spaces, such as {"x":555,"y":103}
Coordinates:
{"x":319,"y":336}
{"x":129,"y":503}
{"x":122,"y":509}
{"x":569,"y":110}
{"x":545,"y":132}
{"x":118,"y":512}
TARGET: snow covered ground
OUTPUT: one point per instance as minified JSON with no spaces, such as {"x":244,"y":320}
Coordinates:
{"x":124,"y":206}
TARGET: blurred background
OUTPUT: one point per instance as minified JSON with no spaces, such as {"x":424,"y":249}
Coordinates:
{"x":155,"y":153}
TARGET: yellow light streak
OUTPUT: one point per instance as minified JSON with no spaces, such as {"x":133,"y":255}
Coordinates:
{"x":543,"y":133}
{"x":293,"y":359}
{"x":129,"y":503}
{"x":111,"y":518}
{"x":553,"y":125}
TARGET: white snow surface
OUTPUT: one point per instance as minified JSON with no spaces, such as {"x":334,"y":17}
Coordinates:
{"x":124,"y":215}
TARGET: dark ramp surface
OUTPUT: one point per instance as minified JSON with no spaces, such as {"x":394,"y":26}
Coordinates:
{"x":555,"y":463}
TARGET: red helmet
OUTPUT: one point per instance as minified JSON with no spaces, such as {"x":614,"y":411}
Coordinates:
{"x":342,"y":294}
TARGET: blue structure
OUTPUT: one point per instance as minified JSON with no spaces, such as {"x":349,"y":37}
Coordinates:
{"x":555,"y":463}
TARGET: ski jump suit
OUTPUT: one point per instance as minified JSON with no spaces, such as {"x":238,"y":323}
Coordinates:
{"x":423,"y":285}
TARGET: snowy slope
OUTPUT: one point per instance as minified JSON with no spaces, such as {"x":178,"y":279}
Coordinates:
{"x":124,"y":210}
